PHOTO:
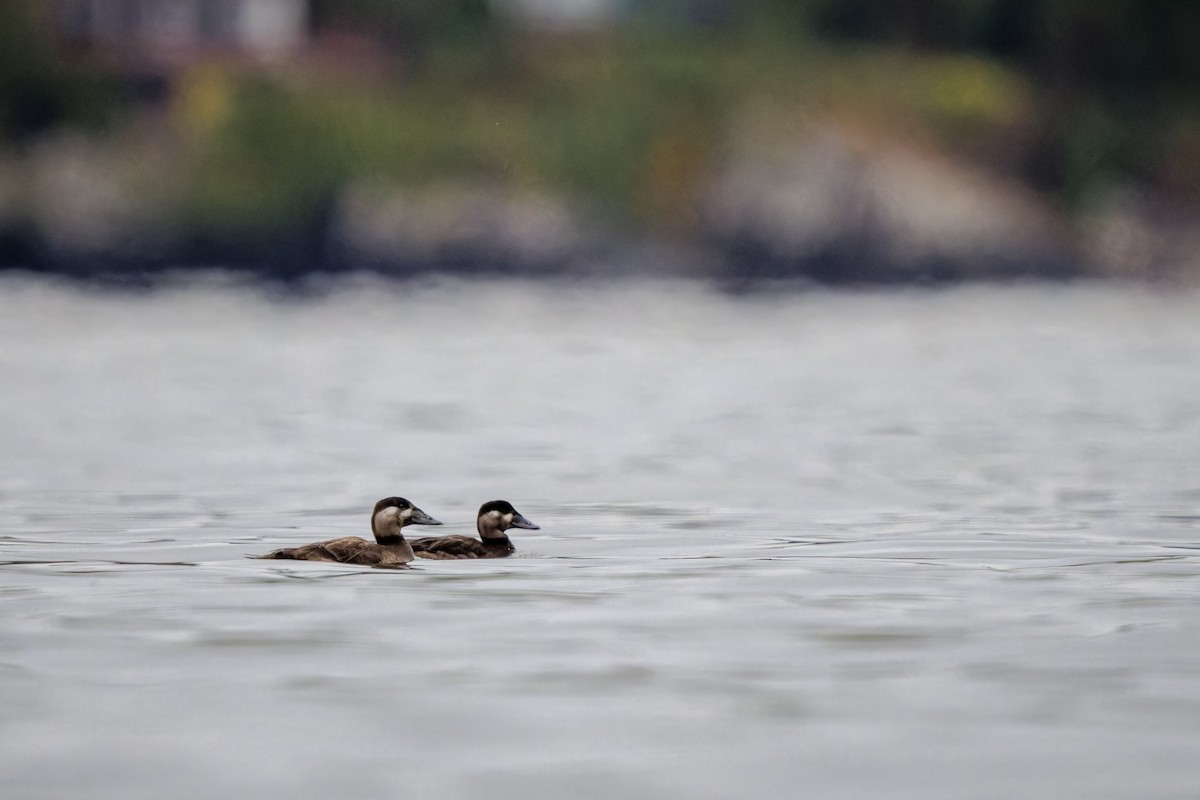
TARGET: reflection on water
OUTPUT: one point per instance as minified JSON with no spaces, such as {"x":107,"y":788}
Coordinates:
{"x":897,"y":545}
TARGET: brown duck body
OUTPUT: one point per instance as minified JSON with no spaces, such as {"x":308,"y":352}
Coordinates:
{"x":348,"y":550}
{"x":445,"y":547}
{"x":494,"y":519}
{"x":390,"y":548}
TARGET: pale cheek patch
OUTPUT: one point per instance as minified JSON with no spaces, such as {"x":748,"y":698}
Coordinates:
{"x":385,"y":516}
{"x":491,"y":522}
{"x":406,"y":514}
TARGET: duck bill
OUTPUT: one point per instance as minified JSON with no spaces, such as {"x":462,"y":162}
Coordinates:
{"x":419,"y":517}
{"x":520,"y":522}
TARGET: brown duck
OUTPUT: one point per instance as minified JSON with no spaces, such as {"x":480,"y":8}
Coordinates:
{"x":494,"y":519}
{"x":390,"y":549}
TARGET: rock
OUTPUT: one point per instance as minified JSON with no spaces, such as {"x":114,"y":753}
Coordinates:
{"x":1134,"y":236}
{"x":837,"y":213}
{"x":460,"y":228}
{"x":89,"y":201}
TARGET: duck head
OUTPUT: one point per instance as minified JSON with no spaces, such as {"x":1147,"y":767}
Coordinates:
{"x":390,"y":516}
{"x":497,"y":516}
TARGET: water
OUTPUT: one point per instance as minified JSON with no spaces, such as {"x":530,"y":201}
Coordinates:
{"x":902,"y":545}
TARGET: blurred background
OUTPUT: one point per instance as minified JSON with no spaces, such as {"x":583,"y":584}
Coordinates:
{"x":914,"y":543}
{"x":839,"y":141}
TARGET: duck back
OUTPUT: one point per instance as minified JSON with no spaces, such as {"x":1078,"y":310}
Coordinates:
{"x":346,"y":550}
{"x":448,"y":547}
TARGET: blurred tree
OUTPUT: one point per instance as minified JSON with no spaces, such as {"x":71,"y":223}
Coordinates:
{"x":1114,"y":76}
{"x":1109,"y":44}
{"x":26,"y":85}
{"x":36,"y":89}
{"x":410,"y":26}
{"x":1119,"y":46}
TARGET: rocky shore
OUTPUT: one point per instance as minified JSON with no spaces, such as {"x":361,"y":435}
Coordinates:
{"x":825,"y":209}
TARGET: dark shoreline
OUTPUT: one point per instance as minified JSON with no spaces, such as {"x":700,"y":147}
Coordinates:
{"x":734,"y":263}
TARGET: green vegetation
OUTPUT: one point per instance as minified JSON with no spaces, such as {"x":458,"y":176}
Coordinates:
{"x":1068,"y":96}
{"x":633,"y":124}
{"x":37,"y":90}
{"x":630,"y":129}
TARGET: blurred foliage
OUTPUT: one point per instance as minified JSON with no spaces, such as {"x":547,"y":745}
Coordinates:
{"x":38,"y":91}
{"x":1069,"y":95}
{"x":1112,"y":77}
{"x":631,"y":131}
{"x":410,"y":26}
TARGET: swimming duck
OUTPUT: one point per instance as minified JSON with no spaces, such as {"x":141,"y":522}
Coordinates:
{"x":390,"y":548}
{"x":494,"y":519}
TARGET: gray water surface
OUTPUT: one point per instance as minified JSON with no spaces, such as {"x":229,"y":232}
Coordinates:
{"x":901,"y":545}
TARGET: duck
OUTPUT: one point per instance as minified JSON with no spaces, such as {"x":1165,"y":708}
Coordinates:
{"x":390,"y":548}
{"x":495,"y":517}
